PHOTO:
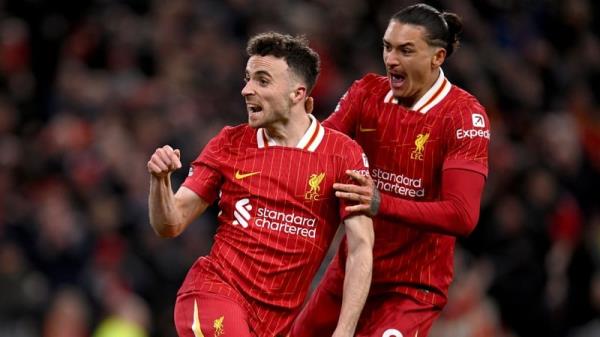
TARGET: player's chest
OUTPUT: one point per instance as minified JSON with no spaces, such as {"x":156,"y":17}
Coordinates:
{"x":282,"y":175}
{"x":398,"y":139}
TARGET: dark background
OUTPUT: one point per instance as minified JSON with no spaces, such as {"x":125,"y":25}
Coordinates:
{"x":88,"y":90}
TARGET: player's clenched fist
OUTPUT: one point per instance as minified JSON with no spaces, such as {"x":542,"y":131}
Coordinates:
{"x":164,"y":161}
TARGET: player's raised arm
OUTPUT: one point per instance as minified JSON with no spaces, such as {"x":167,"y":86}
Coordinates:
{"x":359,"y":266}
{"x":170,"y":213}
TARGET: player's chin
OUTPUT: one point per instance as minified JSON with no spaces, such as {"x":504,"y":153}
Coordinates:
{"x":398,"y":92}
{"x":254,"y":121}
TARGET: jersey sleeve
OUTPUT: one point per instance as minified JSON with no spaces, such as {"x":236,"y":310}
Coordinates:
{"x":346,"y":115}
{"x":455,"y":214}
{"x":468,"y":137}
{"x":353,"y":159}
{"x":205,"y":176}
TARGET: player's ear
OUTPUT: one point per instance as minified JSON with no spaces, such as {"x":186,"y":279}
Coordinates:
{"x":438,"y":57}
{"x":309,"y":105}
{"x":298,"y":94}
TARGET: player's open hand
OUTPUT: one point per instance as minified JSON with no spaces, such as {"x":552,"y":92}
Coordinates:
{"x":364,"y":195}
{"x":164,"y":161}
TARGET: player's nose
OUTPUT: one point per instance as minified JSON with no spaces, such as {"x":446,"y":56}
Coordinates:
{"x":247,"y":89}
{"x":391,"y":59}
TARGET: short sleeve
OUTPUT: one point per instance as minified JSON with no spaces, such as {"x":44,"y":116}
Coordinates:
{"x":353,"y":159}
{"x":468,"y":137}
{"x":205,"y":177}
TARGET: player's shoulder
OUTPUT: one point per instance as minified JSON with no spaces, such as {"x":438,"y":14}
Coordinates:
{"x":464,"y":109}
{"x":238,"y":136}
{"x":338,"y":142}
{"x":464,"y":100}
{"x":371,"y":86}
{"x":372,"y":81}
{"x":343,"y":149}
{"x":373,"y":78}
{"x":236,"y":133}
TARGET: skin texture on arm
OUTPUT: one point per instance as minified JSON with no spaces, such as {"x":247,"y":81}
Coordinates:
{"x":359,"y":265}
{"x":170,"y":213}
{"x":456,"y":213}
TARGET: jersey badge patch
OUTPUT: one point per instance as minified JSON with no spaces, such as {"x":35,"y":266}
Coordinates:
{"x":420,"y":141}
{"x":218,"y":326}
{"x":478,"y":120}
{"x":314,"y":184}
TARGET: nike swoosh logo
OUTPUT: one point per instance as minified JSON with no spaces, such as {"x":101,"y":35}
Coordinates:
{"x":361,"y":129}
{"x":240,"y":176}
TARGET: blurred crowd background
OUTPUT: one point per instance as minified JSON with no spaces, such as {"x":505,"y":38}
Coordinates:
{"x":89,"y":88}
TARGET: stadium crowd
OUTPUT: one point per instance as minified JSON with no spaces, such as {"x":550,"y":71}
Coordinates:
{"x":89,"y":89}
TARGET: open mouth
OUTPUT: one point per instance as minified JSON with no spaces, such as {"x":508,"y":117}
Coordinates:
{"x":396,"y":80}
{"x":253,"y":108}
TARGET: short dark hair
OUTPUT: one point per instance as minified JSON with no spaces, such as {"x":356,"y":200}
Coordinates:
{"x":301,"y":59}
{"x":443,"y":29}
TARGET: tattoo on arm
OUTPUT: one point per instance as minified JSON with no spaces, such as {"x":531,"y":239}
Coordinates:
{"x":375,"y":202}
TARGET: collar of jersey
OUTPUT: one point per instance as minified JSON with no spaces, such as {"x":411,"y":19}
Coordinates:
{"x":433,"y":96}
{"x":310,"y":141}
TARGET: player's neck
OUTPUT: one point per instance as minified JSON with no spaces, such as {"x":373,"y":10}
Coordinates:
{"x":409,"y":102}
{"x":289,"y":132}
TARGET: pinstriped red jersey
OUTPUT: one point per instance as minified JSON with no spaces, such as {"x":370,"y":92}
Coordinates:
{"x":408,"y":149}
{"x":278,"y":215}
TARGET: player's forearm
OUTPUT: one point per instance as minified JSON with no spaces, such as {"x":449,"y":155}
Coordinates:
{"x":164,"y":217}
{"x":444,"y":217}
{"x":455,"y":214}
{"x":359,"y":265}
{"x":356,"y":288}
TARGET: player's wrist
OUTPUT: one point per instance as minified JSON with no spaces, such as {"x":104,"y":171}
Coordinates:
{"x":161,"y":176}
{"x":375,"y":202}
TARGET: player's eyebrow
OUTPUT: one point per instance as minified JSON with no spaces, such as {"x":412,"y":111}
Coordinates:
{"x":405,"y":44}
{"x":259,"y":73}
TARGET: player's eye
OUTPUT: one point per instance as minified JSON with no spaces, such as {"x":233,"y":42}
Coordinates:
{"x":387,"y":47}
{"x":263,"y":82}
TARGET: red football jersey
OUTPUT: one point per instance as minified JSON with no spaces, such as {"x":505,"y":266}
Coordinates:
{"x":408,"y":149}
{"x":278,"y":215}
